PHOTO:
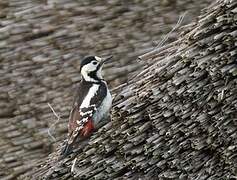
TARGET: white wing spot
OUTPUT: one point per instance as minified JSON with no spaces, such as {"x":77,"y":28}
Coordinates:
{"x":79,"y":128}
{"x":85,"y":113}
{"x":84,"y":120}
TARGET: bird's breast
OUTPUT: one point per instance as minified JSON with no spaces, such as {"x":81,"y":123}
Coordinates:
{"x":104,"y":109}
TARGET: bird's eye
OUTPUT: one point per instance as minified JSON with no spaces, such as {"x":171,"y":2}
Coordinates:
{"x":94,"y":62}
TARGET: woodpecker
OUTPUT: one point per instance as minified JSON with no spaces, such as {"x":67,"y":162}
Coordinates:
{"x":91,"y":105}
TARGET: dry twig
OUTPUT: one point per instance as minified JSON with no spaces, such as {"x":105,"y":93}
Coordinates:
{"x":73,"y":165}
{"x":53,"y":125}
{"x":161,"y":43}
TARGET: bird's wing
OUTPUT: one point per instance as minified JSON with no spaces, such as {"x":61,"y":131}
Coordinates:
{"x":80,"y":120}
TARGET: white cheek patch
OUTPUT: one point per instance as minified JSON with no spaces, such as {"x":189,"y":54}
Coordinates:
{"x":86,"y":69}
{"x":98,"y":58}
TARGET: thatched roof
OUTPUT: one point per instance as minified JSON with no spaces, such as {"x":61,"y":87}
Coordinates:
{"x":41,"y":44}
{"x":176,"y":119}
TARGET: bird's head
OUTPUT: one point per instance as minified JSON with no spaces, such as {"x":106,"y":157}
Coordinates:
{"x":91,"y":68}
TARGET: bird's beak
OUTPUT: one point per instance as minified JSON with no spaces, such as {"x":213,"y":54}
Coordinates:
{"x":104,"y":60}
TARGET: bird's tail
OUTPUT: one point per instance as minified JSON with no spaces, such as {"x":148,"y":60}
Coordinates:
{"x":66,"y":150}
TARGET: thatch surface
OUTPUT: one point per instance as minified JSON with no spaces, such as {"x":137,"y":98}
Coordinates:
{"x":175,"y":120}
{"x":41,"y":44}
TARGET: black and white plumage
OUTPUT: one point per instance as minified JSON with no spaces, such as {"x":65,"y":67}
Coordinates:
{"x":92,"y":102}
